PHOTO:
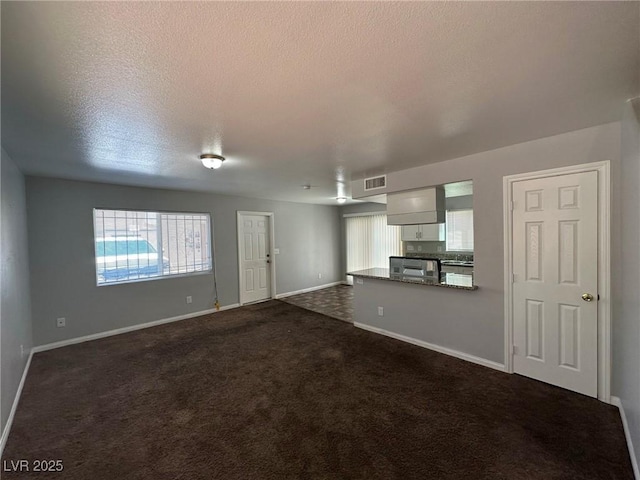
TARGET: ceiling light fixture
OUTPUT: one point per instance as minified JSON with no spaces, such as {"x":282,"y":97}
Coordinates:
{"x":211,"y":160}
{"x":341,"y":199}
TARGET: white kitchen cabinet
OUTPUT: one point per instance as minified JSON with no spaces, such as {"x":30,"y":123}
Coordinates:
{"x":433,"y":232}
{"x":410,"y":233}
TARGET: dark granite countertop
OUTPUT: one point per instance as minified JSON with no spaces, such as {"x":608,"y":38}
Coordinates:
{"x":447,"y":280}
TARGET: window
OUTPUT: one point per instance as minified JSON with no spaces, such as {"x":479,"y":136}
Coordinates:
{"x":370,"y":242}
{"x":460,"y":230}
{"x":138,"y":245}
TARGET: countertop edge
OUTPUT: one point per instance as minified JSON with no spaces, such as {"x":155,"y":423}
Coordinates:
{"x":440,"y":285}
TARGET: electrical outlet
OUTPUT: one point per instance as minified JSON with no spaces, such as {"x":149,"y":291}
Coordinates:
{"x":189,"y":299}
{"x":419,"y":248}
{"x":319,"y":276}
{"x":381,"y":311}
{"x":440,"y":249}
{"x":61,"y":322}
{"x":360,"y":281}
{"x":409,"y":248}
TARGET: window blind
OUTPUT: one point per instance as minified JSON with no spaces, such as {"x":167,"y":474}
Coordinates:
{"x":460,"y":230}
{"x":370,"y":242}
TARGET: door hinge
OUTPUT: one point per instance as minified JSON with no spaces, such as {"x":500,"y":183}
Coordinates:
{"x":513,"y":278}
{"x":512,"y":206}
{"x":514,"y":350}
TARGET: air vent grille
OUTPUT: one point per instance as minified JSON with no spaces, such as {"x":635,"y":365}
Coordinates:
{"x":375,"y":183}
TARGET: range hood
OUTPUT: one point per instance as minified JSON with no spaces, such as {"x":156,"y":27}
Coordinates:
{"x":415,"y":207}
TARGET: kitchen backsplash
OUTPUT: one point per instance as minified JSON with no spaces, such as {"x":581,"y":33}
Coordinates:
{"x":465,"y":257}
{"x":424,"y":247}
{"x":430,"y":249}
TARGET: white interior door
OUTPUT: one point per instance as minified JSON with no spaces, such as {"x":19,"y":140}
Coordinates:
{"x":555,"y":264}
{"x":255,"y":263}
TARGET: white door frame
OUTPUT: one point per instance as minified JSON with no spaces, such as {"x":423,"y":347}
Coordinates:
{"x":604,"y":265}
{"x":272,"y":287}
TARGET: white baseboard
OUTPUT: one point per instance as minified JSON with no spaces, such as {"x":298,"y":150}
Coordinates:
{"x":632,"y":453}
{"x":118,"y":331}
{"x":437,"y":348}
{"x":307,"y":290}
{"x":14,"y":407}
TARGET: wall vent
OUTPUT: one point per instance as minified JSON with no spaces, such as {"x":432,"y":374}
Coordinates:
{"x":375,"y":183}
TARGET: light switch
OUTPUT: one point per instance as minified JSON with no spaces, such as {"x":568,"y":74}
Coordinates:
{"x":276,"y":251}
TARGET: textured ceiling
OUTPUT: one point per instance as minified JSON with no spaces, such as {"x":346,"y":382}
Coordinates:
{"x":300,"y":93}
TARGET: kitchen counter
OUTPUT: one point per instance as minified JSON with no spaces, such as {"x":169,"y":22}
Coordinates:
{"x":457,"y":263}
{"x":447,"y":280}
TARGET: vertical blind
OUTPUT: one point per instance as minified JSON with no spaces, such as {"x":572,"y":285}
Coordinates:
{"x":460,"y":230}
{"x":370,"y":242}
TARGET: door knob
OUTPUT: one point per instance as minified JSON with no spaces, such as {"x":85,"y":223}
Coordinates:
{"x":269,"y":261}
{"x":587,"y":297}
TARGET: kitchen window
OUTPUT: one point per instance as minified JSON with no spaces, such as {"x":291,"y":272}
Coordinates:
{"x":370,"y":242}
{"x":132,"y":246}
{"x":459,"y":226}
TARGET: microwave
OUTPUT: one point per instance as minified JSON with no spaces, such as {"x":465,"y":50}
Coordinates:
{"x":412,"y":268}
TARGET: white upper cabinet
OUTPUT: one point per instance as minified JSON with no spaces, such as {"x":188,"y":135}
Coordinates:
{"x":416,"y":207}
{"x":434,"y":232}
{"x":410,"y":233}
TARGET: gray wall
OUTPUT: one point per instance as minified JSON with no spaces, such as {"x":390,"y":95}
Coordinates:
{"x":626,"y":326}
{"x":366,"y":207}
{"x":464,"y":202}
{"x":15,"y":323}
{"x":435,"y":315}
{"x":479,"y":321}
{"x":63,"y":270}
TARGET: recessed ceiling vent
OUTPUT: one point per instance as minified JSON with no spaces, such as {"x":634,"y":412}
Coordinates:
{"x":374,"y":183}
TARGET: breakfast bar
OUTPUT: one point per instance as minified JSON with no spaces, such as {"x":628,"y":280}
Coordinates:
{"x":446,"y":280}
{"x":438,"y":314}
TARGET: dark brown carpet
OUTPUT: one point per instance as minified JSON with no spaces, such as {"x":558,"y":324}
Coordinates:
{"x":273,"y":391}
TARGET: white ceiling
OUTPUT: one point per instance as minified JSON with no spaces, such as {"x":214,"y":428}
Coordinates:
{"x":300,"y":93}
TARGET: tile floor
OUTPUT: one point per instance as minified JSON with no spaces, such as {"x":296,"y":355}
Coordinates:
{"x":336,"y":302}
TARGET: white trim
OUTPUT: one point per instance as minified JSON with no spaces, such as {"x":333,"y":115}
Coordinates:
{"x":272,"y":257}
{"x":632,"y":453}
{"x":508,"y":275}
{"x":604,"y":265}
{"x":307,"y":290}
{"x":118,"y":331}
{"x":153,"y":279}
{"x":436,"y":348}
{"x":364,"y":214}
{"x":14,"y":407}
